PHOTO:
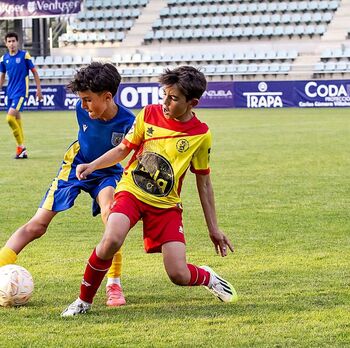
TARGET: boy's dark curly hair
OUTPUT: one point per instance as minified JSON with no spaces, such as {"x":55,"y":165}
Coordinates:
{"x":96,"y":77}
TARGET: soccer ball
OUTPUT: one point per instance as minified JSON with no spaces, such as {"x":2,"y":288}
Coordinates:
{"x":16,"y":286}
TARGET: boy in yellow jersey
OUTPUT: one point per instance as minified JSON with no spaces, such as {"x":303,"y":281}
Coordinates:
{"x":102,"y":126}
{"x":167,"y":139}
{"x":17,"y":63}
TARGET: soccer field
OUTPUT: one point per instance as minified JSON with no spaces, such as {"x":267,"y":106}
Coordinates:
{"x":282,"y":187}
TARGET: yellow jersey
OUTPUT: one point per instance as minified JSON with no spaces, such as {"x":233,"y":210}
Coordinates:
{"x":164,"y":150}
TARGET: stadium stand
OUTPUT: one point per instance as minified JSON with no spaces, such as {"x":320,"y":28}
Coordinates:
{"x":228,"y":39}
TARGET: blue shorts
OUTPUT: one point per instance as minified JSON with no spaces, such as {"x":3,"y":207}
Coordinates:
{"x":65,"y":188}
{"x":16,"y":103}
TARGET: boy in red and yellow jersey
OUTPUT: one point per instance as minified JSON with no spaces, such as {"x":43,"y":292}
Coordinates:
{"x":167,"y":140}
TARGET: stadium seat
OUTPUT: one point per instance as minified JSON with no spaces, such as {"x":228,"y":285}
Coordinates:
{"x":252,"y":68}
{"x":284,"y":68}
{"x":341,"y":66}
{"x":329,"y":66}
{"x":77,"y":60}
{"x":39,"y":60}
{"x":49,"y":60}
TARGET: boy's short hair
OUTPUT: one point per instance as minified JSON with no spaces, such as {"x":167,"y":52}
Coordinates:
{"x":190,"y":81}
{"x":11,"y":34}
{"x":96,"y":77}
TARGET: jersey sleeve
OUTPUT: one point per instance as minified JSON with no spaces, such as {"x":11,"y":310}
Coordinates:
{"x":29,"y":61}
{"x":135,"y":136}
{"x":2,"y":65}
{"x":200,"y":159}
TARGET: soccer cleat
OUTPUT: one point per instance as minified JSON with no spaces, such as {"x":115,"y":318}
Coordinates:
{"x":220,"y":287}
{"x":21,"y":153}
{"x":76,"y":308}
{"x":115,"y":296}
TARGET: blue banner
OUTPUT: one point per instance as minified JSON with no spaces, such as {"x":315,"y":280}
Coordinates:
{"x":255,"y":94}
{"x":303,"y":94}
{"x":14,"y":9}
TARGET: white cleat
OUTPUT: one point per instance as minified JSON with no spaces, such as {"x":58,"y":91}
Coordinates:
{"x":76,"y":308}
{"x":220,"y":287}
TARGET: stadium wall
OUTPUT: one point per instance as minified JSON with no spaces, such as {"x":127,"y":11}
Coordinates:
{"x":230,"y":94}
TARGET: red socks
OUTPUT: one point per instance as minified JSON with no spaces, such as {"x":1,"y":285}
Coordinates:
{"x":199,"y":276}
{"x":94,"y":273}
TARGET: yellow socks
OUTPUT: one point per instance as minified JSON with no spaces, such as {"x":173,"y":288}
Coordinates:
{"x":21,"y":136}
{"x":116,"y":268}
{"x":16,"y":126}
{"x":7,"y":256}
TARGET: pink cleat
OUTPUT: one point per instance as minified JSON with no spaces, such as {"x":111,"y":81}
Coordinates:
{"x":115,"y":296}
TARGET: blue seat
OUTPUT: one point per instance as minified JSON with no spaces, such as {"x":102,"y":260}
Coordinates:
{"x":272,"y":7}
{"x":284,"y":68}
{"x":320,"y":29}
{"x":231,"y":69}
{"x":289,"y":30}
{"x":316,"y":17}
{"x":258,"y":31}
{"x":341,"y":66}
{"x":275,"y":18}
{"x":237,"y":32}
{"x":319,"y":67}
{"x":312,"y":5}
{"x":227,"y":33}
{"x":268,"y":30}
{"x":245,"y":20}
{"x":242,"y":68}
{"x":198,"y":33}
{"x":235,"y":20}
{"x":252,"y":68}
{"x":274,"y":68}
{"x":282,"y":54}
{"x":279,"y":30}
{"x":247,"y":32}
{"x":220,"y":69}
{"x":306,"y":17}
{"x":261,"y":7}
{"x":327,"y":17}
{"x":329,"y":66}
{"x":188,"y":33}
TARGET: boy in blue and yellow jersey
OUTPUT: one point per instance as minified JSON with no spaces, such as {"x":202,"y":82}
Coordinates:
{"x":17,"y":63}
{"x":102,"y":126}
{"x":168,"y":140}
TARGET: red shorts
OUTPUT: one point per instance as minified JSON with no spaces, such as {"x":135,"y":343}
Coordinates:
{"x":159,"y":225}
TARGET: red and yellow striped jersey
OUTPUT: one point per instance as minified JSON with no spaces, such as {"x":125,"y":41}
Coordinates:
{"x":164,"y":150}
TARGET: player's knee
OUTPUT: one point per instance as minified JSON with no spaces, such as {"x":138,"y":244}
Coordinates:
{"x":178,"y":276}
{"x":35,"y":229}
{"x":110,"y":244}
{"x":104,"y":215}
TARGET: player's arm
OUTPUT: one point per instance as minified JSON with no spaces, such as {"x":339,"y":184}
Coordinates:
{"x":39,"y":94}
{"x":2,"y":79}
{"x":110,"y":158}
{"x":206,"y":195}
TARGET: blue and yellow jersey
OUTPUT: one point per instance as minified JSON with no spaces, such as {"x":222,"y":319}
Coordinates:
{"x":96,"y":137}
{"x":17,"y":68}
{"x":164,"y":150}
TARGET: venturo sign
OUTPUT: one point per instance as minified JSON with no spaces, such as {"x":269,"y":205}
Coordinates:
{"x":14,"y":9}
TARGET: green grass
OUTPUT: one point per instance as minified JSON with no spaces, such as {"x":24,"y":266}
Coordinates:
{"x":282,"y":184}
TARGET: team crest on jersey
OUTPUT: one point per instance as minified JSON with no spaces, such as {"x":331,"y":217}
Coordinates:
{"x":182,"y":145}
{"x":117,"y":138}
{"x":154,"y":174}
{"x":18,"y":60}
{"x":150,"y":131}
